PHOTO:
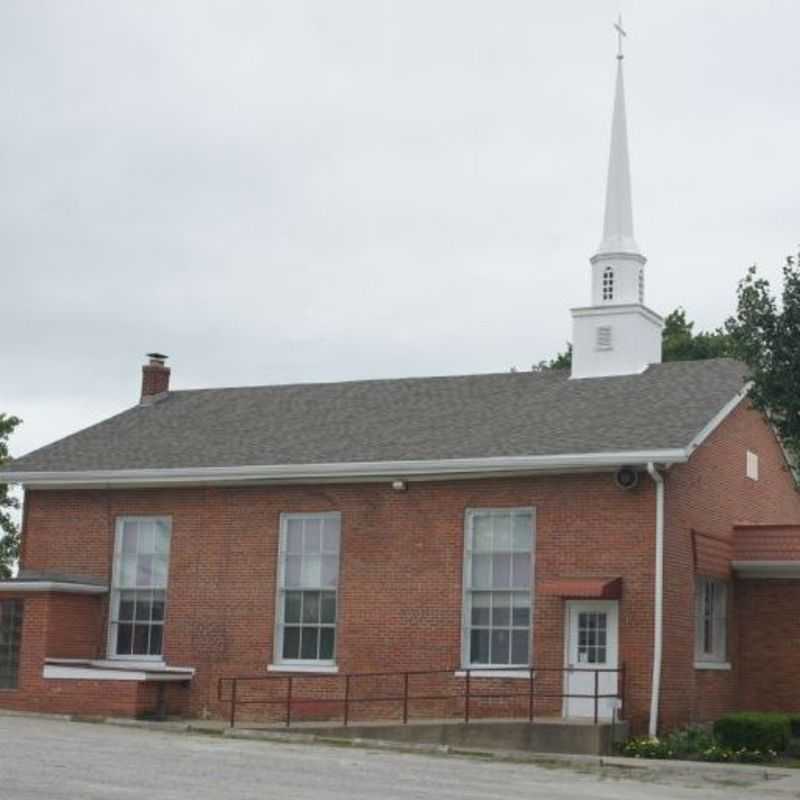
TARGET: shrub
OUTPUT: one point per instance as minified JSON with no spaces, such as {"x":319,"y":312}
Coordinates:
{"x":753,"y":731}
{"x":646,"y":747}
{"x":688,"y":741}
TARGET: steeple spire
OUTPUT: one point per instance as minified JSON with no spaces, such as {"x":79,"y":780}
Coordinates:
{"x":618,"y":226}
{"x":617,"y":334}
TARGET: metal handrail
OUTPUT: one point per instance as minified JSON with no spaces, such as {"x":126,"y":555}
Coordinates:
{"x":346,"y":700}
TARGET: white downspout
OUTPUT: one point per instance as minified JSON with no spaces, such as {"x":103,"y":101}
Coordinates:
{"x":658,"y":609}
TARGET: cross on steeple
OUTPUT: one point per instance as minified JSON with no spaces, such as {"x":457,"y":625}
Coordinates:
{"x":620,"y":33}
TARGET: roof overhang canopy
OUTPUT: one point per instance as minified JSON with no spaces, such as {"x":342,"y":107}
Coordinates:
{"x":589,"y":588}
{"x":766,"y":569}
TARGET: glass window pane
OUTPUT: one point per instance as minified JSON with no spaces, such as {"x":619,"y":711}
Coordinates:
{"x":159,"y":570}
{"x":311,"y":571}
{"x":144,"y":571}
{"x":127,"y":575}
{"x":124,"y":639}
{"x":147,"y":538}
{"x":330,"y":535}
{"x":292,"y":576}
{"x":143,"y":606}
{"x":480,"y":608}
{"x":501,"y":578}
{"x":156,"y":632}
{"x":521,"y":570}
{"x":311,"y":607}
{"x":522,"y":609}
{"x":291,"y":642}
{"x":162,"y":537}
{"x":308,"y":645}
{"x":501,"y":609}
{"x":140,"y":639}
{"x":127,"y":601}
{"x":500,"y":647}
{"x":326,"y":642}
{"x":130,"y":532}
{"x":482,"y":533}
{"x":159,"y":600}
{"x":291,"y":607}
{"x":479,"y":647}
{"x":519,"y":647}
{"x":330,"y":570}
{"x":312,"y":540}
{"x":482,"y":572}
{"x":294,"y":535}
{"x":328,"y":608}
{"x":502,"y":532}
{"x":522,"y":532}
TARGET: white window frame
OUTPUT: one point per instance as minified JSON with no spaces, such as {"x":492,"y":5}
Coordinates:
{"x":717,"y":653}
{"x":467,"y":590}
{"x":304,"y":664}
{"x":115,"y":590}
{"x":751,"y":465}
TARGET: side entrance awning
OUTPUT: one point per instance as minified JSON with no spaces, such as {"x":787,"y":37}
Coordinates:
{"x":589,"y":588}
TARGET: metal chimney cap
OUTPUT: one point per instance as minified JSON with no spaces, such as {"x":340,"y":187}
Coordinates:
{"x":159,"y":357}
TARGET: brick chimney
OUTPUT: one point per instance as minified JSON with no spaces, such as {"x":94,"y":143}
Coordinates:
{"x":155,"y":378}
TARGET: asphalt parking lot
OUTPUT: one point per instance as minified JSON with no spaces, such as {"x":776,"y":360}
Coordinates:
{"x":45,"y":759}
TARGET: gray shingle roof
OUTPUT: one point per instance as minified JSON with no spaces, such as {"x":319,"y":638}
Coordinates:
{"x":470,"y":416}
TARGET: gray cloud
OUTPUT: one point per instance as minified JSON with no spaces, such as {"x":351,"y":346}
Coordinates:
{"x":275,"y":191}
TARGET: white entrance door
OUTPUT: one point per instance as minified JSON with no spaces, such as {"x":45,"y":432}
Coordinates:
{"x":591,"y":639}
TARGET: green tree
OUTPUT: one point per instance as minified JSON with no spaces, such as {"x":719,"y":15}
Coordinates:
{"x":765,"y":333}
{"x":681,"y":343}
{"x":9,"y":543}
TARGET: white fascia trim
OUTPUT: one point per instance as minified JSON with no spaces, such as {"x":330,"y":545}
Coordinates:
{"x":718,"y":665}
{"x":467,"y":467}
{"x":611,"y":309}
{"x":766,"y":569}
{"x":319,"y":669}
{"x":719,"y":418}
{"x":52,"y":586}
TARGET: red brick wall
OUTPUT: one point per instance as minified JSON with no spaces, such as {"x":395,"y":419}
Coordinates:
{"x":769,"y":645}
{"x":71,"y":626}
{"x":710,"y":495}
{"x":400,"y":599}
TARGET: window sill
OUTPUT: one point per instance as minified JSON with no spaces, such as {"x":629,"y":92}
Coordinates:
{"x":718,"y":665}
{"x":495,"y":673}
{"x":323,"y":669}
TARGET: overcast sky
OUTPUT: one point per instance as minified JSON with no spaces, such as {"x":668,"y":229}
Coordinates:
{"x":310,"y":191}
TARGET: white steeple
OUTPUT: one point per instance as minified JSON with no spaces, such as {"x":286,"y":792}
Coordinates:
{"x":617,"y":334}
{"x":618,"y":226}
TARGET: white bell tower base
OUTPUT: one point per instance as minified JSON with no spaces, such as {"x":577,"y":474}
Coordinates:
{"x":614,"y":340}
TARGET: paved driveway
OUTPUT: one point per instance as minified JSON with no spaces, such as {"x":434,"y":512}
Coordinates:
{"x":56,"y":760}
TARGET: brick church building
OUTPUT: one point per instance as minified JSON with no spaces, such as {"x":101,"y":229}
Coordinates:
{"x":510,"y":529}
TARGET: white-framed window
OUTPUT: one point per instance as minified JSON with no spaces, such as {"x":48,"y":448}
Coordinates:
{"x":139,"y":587}
{"x":308,"y":578}
{"x":608,"y":283}
{"x":498,"y":583}
{"x":711,"y":620}
{"x":751,"y":467}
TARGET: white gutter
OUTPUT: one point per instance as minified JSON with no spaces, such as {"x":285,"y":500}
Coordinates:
{"x":658,"y":610}
{"x":368,"y":470}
